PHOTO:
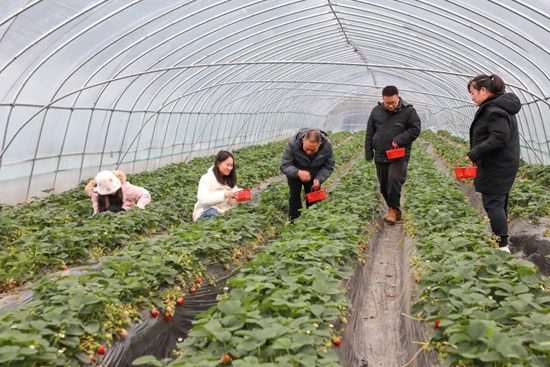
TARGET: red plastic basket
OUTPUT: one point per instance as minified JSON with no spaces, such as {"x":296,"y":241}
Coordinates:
{"x":395,"y":153}
{"x":243,"y":195}
{"x":465,"y":172}
{"x":316,"y":195}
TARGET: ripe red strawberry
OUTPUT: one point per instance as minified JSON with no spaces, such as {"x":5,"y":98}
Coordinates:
{"x":436,"y":325}
{"x":240,"y":249}
{"x":261,"y":239}
{"x":101,"y":350}
{"x":169,"y":300}
{"x":180,"y":301}
{"x":155,"y":313}
{"x":274,"y":233}
{"x":337,"y":341}
{"x":199,"y":280}
{"x":508,"y":220}
{"x":364,"y":262}
{"x":358,"y":242}
{"x":362,"y":227}
{"x":135,"y":308}
{"x":193,"y":290}
{"x":168,"y":315}
{"x":416,"y":280}
{"x":364,"y":247}
{"x":65,"y":267}
{"x":249,"y":257}
{"x":92,"y":358}
{"x":266,"y":181}
{"x":226,"y":359}
{"x":238,"y":256}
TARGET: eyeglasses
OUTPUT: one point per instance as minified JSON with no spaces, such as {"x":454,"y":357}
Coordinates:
{"x":391,"y":103}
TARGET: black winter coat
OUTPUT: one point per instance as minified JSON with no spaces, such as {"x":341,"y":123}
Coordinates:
{"x":401,"y":125}
{"x":494,"y":144}
{"x":295,"y":158}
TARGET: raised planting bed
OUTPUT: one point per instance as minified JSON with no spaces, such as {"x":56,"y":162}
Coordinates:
{"x":93,"y":310}
{"x":486,"y":307}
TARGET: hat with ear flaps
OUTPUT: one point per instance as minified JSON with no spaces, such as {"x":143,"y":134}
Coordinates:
{"x":107,"y":183}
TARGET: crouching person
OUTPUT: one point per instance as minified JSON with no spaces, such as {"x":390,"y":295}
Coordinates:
{"x":308,"y":161}
{"x":217,"y":188}
{"x":110,"y":191}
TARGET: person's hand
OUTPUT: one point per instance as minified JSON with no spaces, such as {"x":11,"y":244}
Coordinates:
{"x":316,"y":184}
{"x":393,"y":144}
{"x":230,"y":195}
{"x":304,"y":176}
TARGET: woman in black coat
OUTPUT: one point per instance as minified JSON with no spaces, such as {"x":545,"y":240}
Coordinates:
{"x":494,"y":148}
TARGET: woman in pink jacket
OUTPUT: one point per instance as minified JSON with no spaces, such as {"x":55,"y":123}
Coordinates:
{"x":110,"y":191}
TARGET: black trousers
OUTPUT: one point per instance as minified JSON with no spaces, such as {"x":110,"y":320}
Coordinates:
{"x":392,"y":176}
{"x":496,"y":207}
{"x":114,"y":209}
{"x":295,"y":201}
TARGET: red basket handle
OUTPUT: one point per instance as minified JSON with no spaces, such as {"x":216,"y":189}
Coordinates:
{"x":464,"y":159}
{"x":395,"y":147}
{"x":313,"y":189}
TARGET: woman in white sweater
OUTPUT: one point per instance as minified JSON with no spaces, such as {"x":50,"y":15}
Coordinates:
{"x":217,"y":188}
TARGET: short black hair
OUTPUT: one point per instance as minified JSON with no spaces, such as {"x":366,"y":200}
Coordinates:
{"x":229,"y":180}
{"x":313,"y":136}
{"x":390,"y":91}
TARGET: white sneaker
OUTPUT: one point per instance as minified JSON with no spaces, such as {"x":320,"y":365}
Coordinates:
{"x":505,"y":249}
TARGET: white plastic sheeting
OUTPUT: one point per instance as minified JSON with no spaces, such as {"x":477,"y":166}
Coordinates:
{"x":87,"y":85}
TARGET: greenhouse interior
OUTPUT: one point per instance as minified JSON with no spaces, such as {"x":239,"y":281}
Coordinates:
{"x":277,"y":183}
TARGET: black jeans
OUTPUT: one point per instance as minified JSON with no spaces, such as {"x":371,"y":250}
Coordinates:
{"x":392,"y":176}
{"x":496,"y":207}
{"x":114,"y":209}
{"x":295,"y":201}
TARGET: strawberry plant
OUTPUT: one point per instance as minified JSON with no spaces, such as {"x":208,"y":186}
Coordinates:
{"x":527,"y":198}
{"x":283,"y":303}
{"x":487,"y":308}
{"x":94,"y":309}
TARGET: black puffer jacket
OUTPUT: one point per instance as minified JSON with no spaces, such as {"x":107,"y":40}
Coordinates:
{"x":494,"y":144}
{"x":401,"y":125}
{"x":320,"y":165}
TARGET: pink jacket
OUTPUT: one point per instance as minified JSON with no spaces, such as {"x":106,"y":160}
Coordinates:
{"x":131,"y":195}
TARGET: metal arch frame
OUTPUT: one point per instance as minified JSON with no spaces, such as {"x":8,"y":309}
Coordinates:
{"x":277,"y":62}
{"x":160,"y":75}
{"x":359,"y":53}
{"x":218,"y":109}
{"x":207,"y":122}
{"x":104,"y":88}
{"x":50,"y":32}
{"x":22,"y":10}
{"x":492,"y":51}
{"x":43,"y":61}
{"x":529,"y":111}
{"x":180,"y":84}
{"x":490,"y":35}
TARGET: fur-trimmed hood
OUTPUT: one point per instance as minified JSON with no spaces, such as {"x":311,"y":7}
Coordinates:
{"x":89,"y":189}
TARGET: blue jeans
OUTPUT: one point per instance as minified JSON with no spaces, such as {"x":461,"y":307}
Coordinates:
{"x":212,"y":212}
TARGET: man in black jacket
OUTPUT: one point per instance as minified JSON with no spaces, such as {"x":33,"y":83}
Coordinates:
{"x":393,"y":123}
{"x":308,"y":160}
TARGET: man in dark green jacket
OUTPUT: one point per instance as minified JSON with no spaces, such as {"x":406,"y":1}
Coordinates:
{"x":393,"y":123}
{"x":308,"y":161}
